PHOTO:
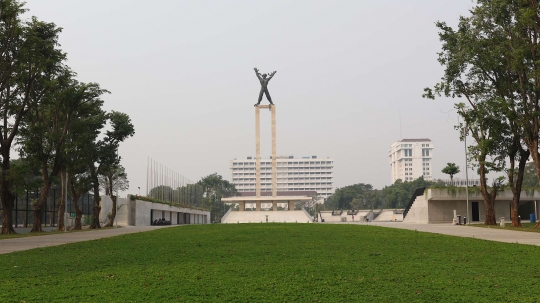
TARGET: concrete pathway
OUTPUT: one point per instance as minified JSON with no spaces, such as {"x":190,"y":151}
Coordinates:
{"x":491,"y":234}
{"x":25,"y":243}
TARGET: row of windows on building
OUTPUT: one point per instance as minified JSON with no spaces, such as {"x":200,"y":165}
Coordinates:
{"x":409,"y":152}
{"x":290,"y":183}
{"x":284,"y":175}
{"x":279,"y":163}
{"x":426,"y":173}
{"x":319,"y":190}
{"x":410,"y":160}
{"x":281,"y":168}
{"x":283,"y":179}
{"x":410,"y":169}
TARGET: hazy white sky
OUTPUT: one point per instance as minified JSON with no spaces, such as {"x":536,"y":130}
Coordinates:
{"x":346,"y":71}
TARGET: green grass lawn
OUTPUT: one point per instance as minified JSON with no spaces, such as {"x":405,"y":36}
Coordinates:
{"x":274,"y":263}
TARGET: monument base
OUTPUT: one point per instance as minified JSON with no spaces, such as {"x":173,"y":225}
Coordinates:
{"x":290,"y":200}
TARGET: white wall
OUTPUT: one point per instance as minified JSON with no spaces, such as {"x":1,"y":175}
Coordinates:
{"x":419,"y":211}
{"x":121,"y":212}
{"x":138,"y":212}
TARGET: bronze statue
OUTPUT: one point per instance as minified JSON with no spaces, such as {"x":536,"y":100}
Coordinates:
{"x":264,"y":86}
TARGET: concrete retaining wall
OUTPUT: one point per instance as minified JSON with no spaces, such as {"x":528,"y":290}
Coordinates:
{"x":141,"y":213}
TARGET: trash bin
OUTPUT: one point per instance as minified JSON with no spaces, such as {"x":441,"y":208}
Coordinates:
{"x":501,"y":219}
{"x":459,"y":219}
{"x":533,"y":218}
{"x":464,"y":220}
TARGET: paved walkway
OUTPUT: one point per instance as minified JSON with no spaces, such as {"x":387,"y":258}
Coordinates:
{"x":492,"y":234}
{"x":25,"y":243}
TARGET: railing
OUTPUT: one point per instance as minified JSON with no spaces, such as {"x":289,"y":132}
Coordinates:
{"x":23,"y":211}
{"x":417,"y":192}
{"x":337,"y":212}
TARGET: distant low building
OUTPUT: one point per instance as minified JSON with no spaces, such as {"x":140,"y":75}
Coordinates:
{"x":293,"y":175}
{"x":438,"y":205}
{"x":461,"y":182}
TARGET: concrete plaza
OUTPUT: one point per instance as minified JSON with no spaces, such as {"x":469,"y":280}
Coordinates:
{"x":491,"y":234}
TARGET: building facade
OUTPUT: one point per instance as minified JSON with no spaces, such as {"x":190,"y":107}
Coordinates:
{"x":293,"y":174}
{"x":411,"y":158}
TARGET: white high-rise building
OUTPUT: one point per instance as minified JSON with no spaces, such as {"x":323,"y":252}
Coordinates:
{"x":293,"y":174}
{"x":410,"y":159}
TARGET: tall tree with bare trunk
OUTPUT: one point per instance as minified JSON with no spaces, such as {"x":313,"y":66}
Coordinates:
{"x":104,"y":153}
{"x":29,"y":55}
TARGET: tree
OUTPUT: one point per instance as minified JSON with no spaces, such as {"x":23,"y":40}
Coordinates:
{"x":29,"y":57}
{"x":79,"y":183}
{"x":104,"y":153}
{"x":44,"y":132}
{"x":344,"y":198}
{"x":475,"y":69}
{"x":451,"y":169}
{"x":214,"y":188}
{"x":113,"y":179}
{"x":78,"y":151}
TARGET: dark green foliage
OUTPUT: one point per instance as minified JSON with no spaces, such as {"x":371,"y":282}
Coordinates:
{"x":214,"y":188}
{"x":274,"y":263}
{"x":363,"y":196}
{"x":356,"y":196}
{"x":398,"y":194}
{"x":30,"y":61}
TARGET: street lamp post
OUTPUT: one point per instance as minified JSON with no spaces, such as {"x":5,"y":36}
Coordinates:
{"x":465,"y":132}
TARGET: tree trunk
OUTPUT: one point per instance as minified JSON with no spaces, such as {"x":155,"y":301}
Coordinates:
{"x":490,"y":211}
{"x":113,"y":199}
{"x":7,"y":196}
{"x":113,"y":212}
{"x":61,"y":204}
{"x":96,"y":208}
{"x":38,"y":208}
{"x":78,"y":212}
{"x":516,"y":189}
{"x":7,"y":218}
{"x":489,"y":197}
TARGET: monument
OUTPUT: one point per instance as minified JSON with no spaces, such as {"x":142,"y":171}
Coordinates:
{"x":275,"y":198}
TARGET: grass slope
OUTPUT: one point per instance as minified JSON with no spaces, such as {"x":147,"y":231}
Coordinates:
{"x":274,"y":263}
